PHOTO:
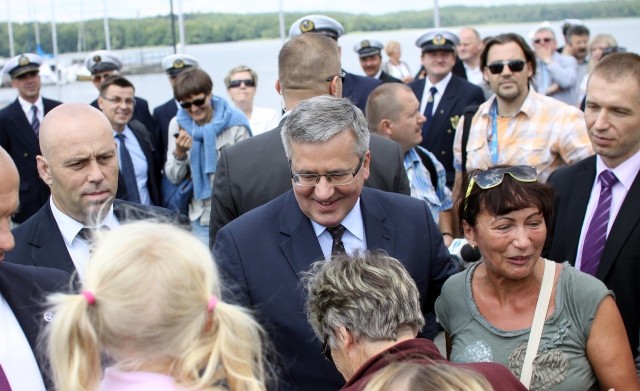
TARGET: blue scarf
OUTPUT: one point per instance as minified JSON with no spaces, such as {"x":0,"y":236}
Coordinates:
{"x":204,"y":153}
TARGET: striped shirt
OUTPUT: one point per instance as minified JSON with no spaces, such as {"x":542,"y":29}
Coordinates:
{"x":439,"y":199}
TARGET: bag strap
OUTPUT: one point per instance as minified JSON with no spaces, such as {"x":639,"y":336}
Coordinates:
{"x":430,"y":166}
{"x":538,"y":322}
{"x":468,"y":114}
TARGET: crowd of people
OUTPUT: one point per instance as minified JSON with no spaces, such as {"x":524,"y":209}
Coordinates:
{"x":219,"y":245}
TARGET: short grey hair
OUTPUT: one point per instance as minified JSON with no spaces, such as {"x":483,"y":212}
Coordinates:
{"x":319,"y":119}
{"x":369,"y":293}
{"x":238,"y":69}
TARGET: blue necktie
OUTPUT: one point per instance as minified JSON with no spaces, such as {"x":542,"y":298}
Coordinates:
{"x":128,"y":172}
{"x":35,"y":122}
{"x":428,"y":111}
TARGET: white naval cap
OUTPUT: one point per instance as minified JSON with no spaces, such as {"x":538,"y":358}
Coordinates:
{"x":317,"y":24}
{"x":173,"y":64}
{"x":22,"y":64}
{"x":102,"y":60}
{"x":437,"y":39}
{"x":368,"y":47}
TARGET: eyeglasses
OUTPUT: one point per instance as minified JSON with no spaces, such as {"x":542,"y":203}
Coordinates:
{"x":197,"y":102}
{"x":496,"y":68}
{"x":540,"y":40}
{"x":238,"y":83}
{"x":493,"y":177}
{"x":341,"y":75}
{"x":326,"y":349}
{"x":335,"y":178}
{"x":118,"y":101}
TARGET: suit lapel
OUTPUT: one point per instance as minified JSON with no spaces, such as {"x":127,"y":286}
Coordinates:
{"x":583,"y":183}
{"x":438,"y":122}
{"x":22,"y":128}
{"x":626,"y":220}
{"x":22,"y":299}
{"x":379,"y":231}
{"x":47,"y":244}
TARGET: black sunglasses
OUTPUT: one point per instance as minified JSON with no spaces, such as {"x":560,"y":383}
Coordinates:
{"x":326,"y":349}
{"x":540,"y":40}
{"x":238,"y":83}
{"x":496,"y":68}
{"x":197,"y":102}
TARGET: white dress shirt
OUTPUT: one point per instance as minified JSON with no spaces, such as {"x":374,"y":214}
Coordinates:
{"x":26,"y":107}
{"x":353,"y":237}
{"x":440,"y":86}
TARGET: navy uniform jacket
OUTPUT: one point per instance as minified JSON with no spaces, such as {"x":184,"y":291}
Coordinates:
{"x":153,"y":165}
{"x":357,"y":88}
{"x":25,"y":289}
{"x":19,"y":140}
{"x":619,"y":267}
{"x":387,"y":78}
{"x":163,"y":115}
{"x":439,"y":140}
{"x":262,"y":254}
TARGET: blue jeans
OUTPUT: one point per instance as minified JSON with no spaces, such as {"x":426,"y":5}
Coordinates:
{"x":200,"y":231}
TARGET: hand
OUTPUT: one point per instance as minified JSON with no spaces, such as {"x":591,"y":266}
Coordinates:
{"x":543,"y":52}
{"x":183,"y":144}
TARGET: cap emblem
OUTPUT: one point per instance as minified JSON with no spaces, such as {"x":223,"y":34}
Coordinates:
{"x":438,"y":40}
{"x":307,"y":25}
{"x":178,"y":64}
{"x":365,"y":44}
{"x":23,"y":60}
{"x":97,"y":58}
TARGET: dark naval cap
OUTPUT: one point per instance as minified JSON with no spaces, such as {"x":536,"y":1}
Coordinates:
{"x":368,"y":47}
{"x":22,"y":64}
{"x":437,"y":39}
{"x":317,"y":24}
{"x":173,"y":64}
{"x":102,"y":60}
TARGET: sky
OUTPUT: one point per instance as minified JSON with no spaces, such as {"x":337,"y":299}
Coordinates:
{"x":75,"y":10}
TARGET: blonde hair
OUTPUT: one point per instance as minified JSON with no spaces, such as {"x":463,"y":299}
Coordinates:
{"x":391,"y":46}
{"x":152,"y":284}
{"x":415,"y":376}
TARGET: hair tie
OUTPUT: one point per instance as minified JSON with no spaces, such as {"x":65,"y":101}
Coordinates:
{"x":89,"y":297}
{"x":213,"y":301}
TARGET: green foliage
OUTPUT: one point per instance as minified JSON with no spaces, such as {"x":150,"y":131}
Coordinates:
{"x":217,"y":27}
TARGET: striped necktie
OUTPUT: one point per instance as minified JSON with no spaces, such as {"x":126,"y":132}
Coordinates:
{"x":35,"y":122}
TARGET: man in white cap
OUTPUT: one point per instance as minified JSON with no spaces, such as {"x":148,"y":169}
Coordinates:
{"x":442,"y":95}
{"x":105,"y":63}
{"x":173,"y":64}
{"x":20,"y":129}
{"x":371,"y":60}
{"x":356,"y":88}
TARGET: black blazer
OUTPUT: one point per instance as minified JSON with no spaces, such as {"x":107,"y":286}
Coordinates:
{"x":357,"y":88}
{"x":255,"y":171}
{"x":619,"y":267}
{"x":153,"y":165}
{"x":439,"y":139}
{"x":387,"y":78}
{"x":25,"y":289}
{"x":19,"y":140}
{"x":40,"y":243}
{"x":163,"y":115}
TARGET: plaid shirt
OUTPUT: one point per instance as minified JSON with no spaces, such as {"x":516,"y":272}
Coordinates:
{"x":439,"y":199}
{"x":546,"y":134}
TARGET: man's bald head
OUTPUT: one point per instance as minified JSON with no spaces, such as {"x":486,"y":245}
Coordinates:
{"x":9,"y":186}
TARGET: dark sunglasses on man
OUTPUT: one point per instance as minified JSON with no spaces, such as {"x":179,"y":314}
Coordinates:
{"x":497,"y":67}
{"x":541,"y":40}
{"x":238,"y":83}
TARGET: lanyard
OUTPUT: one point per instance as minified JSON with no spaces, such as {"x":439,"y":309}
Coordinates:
{"x":493,"y":139}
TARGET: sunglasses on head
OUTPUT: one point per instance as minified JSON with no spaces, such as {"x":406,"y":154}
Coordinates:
{"x":326,"y":349}
{"x":540,"y":40}
{"x":493,"y":177}
{"x":496,"y":68}
{"x":238,"y":83}
{"x":197,"y":102}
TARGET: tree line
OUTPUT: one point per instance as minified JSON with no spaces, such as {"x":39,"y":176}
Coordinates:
{"x":218,"y":27}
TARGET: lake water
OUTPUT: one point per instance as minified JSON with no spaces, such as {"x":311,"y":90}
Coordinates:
{"x":262,"y":56}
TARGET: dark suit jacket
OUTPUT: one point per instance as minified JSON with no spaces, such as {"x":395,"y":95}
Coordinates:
{"x":255,"y":171}
{"x":439,"y":139}
{"x":19,"y":140}
{"x":459,"y":69}
{"x":262,"y":254}
{"x":40,"y":243}
{"x":163,"y":114}
{"x":619,"y":267}
{"x":25,"y":289}
{"x":153,"y":165}
{"x":387,"y":78}
{"x":357,"y":88}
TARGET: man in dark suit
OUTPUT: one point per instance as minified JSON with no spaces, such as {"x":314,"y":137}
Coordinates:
{"x":355,"y":87}
{"x":173,"y":64}
{"x":263,"y":254}
{"x":369,"y":52}
{"x":141,"y":184}
{"x":79,"y":163}
{"x":255,"y":171}
{"x":103,"y":64}
{"x":443,"y":96}
{"x":23,"y":291}
{"x":602,"y":191}
{"x":19,"y":129}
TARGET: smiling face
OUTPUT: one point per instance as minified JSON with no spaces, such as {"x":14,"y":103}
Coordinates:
{"x":612,"y":114}
{"x":243,"y":94}
{"x":508,"y":85}
{"x":28,"y":86}
{"x":117,"y":105}
{"x":324,"y":203}
{"x":510,"y":244}
{"x":371,"y":64}
{"x":438,"y":64}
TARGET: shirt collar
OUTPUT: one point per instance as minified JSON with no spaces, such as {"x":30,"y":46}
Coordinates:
{"x":26,"y":106}
{"x":352,"y":222}
{"x":440,"y":86}
{"x":69,"y":227}
{"x":626,"y":172}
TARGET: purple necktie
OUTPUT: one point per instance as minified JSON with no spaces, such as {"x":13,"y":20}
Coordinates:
{"x":597,"y":232}
{"x":4,"y":382}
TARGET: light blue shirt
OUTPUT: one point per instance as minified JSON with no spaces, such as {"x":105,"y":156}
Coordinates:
{"x":140,"y":165}
{"x":353,"y":237}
